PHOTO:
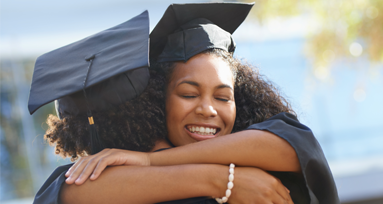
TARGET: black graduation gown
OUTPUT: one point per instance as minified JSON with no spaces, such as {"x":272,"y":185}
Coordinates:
{"x":315,"y":185}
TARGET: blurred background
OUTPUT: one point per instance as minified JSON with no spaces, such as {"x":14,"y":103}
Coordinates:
{"x":324,"y":55}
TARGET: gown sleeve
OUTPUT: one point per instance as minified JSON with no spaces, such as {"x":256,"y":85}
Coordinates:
{"x":50,"y":191}
{"x":316,"y":177}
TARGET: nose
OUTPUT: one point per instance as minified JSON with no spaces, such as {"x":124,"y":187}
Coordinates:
{"x":206,"y":108}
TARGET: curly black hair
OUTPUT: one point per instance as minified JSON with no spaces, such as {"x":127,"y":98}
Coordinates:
{"x":139,"y":123}
{"x":135,"y":125}
{"x":256,"y":98}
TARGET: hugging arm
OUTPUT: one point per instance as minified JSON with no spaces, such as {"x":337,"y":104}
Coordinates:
{"x":136,"y":184}
{"x":252,"y":148}
{"x":301,"y":149}
{"x":132,"y":184}
{"x":255,"y":147}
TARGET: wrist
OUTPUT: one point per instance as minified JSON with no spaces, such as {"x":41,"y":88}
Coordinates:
{"x":148,"y":159}
{"x":219,"y":181}
{"x":155,"y":159}
{"x":162,"y":158}
{"x":230,"y":185}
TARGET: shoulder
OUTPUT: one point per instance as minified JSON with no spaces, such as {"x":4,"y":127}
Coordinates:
{"x":280,"y":121}
{"x":49,"y":191}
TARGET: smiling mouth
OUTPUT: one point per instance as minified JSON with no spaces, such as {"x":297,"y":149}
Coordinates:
{"x":201,"y":130}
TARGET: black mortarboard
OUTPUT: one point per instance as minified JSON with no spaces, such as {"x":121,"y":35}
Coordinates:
{"x":95,"y":73}
{"x":188,"y":29}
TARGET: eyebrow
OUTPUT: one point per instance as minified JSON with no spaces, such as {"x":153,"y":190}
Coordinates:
{"x":193,"y":83}
{"x":225,"y":86}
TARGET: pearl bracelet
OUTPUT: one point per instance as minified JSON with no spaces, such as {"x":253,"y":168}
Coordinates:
{"x":230,"y":186}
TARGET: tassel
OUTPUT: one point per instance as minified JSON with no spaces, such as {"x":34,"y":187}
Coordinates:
{"x":95,"y":140}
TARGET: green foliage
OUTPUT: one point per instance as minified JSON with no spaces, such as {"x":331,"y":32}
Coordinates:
{"x":340,"y":28}
{"x":265,"y":9}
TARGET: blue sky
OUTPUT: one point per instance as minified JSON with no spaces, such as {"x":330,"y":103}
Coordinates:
{"x":30,"y":28}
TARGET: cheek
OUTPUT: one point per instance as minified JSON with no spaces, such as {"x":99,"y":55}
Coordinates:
{"x":170,"y":118}
{"x":228,"y":117}
{"x":176,"y":111}
{"x":170,"y":121}
{"x":174,"y":122}
{"x":174,"y":108}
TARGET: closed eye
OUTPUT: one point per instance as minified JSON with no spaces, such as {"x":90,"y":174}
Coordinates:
{"x":222,"y":99}
{"x":188,"y":96}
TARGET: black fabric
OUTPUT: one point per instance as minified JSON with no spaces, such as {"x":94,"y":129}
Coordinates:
{"x":49,"y":193}
{"x":194,"y":37}
{"x":316,"y":172}
{"x":120,"y":50}
{"x":315,"y":186}
{"x":226,"y":17}
{"x":296,"y":184}
{"x":105,"y":95}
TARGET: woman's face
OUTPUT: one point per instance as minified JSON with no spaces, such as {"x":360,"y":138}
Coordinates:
{"x":200,"y":100}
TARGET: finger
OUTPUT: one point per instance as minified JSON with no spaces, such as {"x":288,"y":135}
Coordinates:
{"x":277,"y":199}
{"x":88,"y":170}
{"x":77,"y":170}
{"x":70,"y":170}
{"x":281,"y":190}
{"x":288,"y":191}
{"x":70,"y":179}
{"x":101,"y":165}
{"x":284,"y":193}
{"x":290,"y":201}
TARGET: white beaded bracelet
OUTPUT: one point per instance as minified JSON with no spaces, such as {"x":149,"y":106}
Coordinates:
{"x":230,"y":186}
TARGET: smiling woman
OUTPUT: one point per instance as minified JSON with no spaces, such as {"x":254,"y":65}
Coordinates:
{"x":200,"y":101}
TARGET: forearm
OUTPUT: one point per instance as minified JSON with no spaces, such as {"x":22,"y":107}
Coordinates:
{"x":132,"y":184}
{"x":254,"y":148}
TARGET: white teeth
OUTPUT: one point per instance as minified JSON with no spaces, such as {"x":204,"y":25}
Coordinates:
{"x":203,"y":130}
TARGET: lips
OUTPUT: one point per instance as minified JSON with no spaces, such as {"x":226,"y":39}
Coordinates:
{"x":199,"y":132}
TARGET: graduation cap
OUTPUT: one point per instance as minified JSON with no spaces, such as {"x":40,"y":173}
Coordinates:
{"x":188,"y":29}
{"x":96,"y":73}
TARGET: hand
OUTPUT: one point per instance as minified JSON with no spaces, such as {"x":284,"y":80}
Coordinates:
{"x":253,"y":185}
{"x":95,"y":164}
